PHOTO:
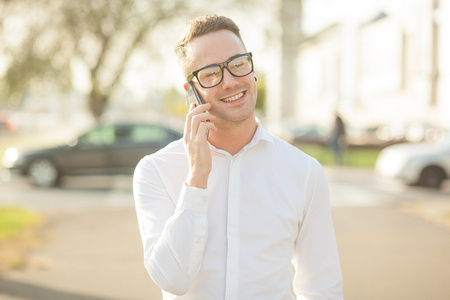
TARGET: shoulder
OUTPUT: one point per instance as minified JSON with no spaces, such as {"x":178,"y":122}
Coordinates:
{"x":173,"y":153}
{"x":304,"y":163}
{"x":289,"y":159}
{"x":166,"y":168}
{"x":290,"y":152}
{"x":175,"y":148}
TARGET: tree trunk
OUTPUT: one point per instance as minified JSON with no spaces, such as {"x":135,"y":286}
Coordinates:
{"x":97,"y":105}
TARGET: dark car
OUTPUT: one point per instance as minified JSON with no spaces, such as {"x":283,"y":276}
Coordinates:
{"x":104,"y":150}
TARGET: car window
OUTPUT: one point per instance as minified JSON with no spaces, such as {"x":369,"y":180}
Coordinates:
{"x":99,"y":137}
{"x":148,"y":134}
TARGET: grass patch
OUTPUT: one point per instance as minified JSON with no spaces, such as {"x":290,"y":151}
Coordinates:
{"x":15,"y":219}
{"x":353,"y":157}
{"x":19,"y":232}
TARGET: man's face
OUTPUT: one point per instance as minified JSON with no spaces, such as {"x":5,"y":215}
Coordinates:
{"x":233,"y":100}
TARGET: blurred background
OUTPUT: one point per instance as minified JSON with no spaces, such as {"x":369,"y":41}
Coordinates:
{"x":379,"y":64}
{"x":363,"y":86}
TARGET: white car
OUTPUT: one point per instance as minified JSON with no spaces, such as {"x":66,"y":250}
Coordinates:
{"x":426,"y":164}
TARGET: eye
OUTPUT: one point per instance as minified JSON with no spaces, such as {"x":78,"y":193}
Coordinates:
{"x":238,"y":64}
{"x":209,"y":74}
{"x":212,"y":73}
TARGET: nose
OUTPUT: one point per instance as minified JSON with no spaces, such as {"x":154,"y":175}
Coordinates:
{"x":229,"y":81}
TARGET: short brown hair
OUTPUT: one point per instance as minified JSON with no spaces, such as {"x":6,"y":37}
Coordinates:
{"x":201,"y":26}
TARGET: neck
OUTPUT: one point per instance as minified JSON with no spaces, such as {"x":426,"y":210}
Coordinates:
{"x":232,"y":138}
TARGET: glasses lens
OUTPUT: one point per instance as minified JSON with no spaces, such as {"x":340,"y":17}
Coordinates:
{"x":240,"y":66}
{"x":210,"y":76}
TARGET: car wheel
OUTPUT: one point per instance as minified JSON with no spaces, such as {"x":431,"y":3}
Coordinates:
{"x":432,"y":177}
{"x":43,"y":172}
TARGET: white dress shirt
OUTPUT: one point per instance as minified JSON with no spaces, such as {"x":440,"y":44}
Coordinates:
{"x":262,"y":224}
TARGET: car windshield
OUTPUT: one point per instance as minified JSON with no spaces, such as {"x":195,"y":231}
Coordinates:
{"x":110,"y":135}
{"x":99,"y":137}
{"x":147,"y":134}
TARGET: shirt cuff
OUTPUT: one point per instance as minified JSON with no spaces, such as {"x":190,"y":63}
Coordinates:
{"x":193,"y":199}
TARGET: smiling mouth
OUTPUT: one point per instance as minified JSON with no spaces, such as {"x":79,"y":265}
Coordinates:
{"x":233,"y":98}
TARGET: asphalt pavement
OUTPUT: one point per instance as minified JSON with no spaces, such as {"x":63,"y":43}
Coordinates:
{"x":93,"y":249}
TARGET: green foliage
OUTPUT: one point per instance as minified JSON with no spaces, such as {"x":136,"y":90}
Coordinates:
{"x":261,"y":100}
{"x":15,"y":219}
{"x":353,"y":157}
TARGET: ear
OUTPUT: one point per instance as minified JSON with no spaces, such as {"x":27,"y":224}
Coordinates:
{"x":185,"y":86}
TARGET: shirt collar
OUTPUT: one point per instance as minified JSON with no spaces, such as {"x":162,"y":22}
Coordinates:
{"x":260,"y":135}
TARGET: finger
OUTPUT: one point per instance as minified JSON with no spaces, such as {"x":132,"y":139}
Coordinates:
{"x":203,"y":129}
{"x":194,"y":110}
{"x":187,"y":125}
{"x":199,"y":108}
{"x":193,"y":122}
{"x":198,"y":119}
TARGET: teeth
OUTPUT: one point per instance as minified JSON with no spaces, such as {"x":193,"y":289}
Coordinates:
{"x":238,"y":96}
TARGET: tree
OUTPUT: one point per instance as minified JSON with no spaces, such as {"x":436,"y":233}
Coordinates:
{"x":106,"y":33}
{"x":29,"y":55}
{"x":43,"y":39}
{"x":102,"y":34}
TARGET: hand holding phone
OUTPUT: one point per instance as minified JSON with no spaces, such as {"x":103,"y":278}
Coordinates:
{"x":193,"y":97}
{"x":197,"y":148}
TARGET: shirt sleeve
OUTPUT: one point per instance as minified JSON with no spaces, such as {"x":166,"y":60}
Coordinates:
{"x":316,"y":260}
{"x":173,"y":235}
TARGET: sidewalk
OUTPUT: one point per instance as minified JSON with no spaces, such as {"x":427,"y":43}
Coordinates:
{"x":390,"y":255}
{"x":429,"y":204}
{"x":435,"y":211}
{"x":385,"y":254}
{"x":90,"y":255}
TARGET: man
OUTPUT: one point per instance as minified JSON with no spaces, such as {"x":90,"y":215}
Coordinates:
{"x":336,"y":139}
{"x":230,"y":211}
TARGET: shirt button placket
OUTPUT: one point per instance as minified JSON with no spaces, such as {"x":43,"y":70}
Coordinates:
{"x":233,"y":229}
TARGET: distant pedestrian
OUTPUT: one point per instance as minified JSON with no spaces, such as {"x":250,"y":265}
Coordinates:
{"x":337,"y":140}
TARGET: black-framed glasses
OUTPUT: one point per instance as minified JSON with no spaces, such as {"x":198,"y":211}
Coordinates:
{"x":239,"y":66}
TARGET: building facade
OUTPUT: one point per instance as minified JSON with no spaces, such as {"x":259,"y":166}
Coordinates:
{"x":385,"y":66}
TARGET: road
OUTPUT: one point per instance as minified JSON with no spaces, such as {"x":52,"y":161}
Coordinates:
{"x":76,"y":193}
{"x":348,"y":188}
{"x":93,"y":250}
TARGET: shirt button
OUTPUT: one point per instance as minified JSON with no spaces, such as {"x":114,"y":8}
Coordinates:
{"x":205,"y":199}
{"x":199,"y":241}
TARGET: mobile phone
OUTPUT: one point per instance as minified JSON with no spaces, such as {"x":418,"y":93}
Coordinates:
{"x":193,"y":97}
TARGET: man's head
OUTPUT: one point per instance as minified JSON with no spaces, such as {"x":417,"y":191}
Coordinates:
{"x":211,"y":51}
{"x":199,"y":27}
